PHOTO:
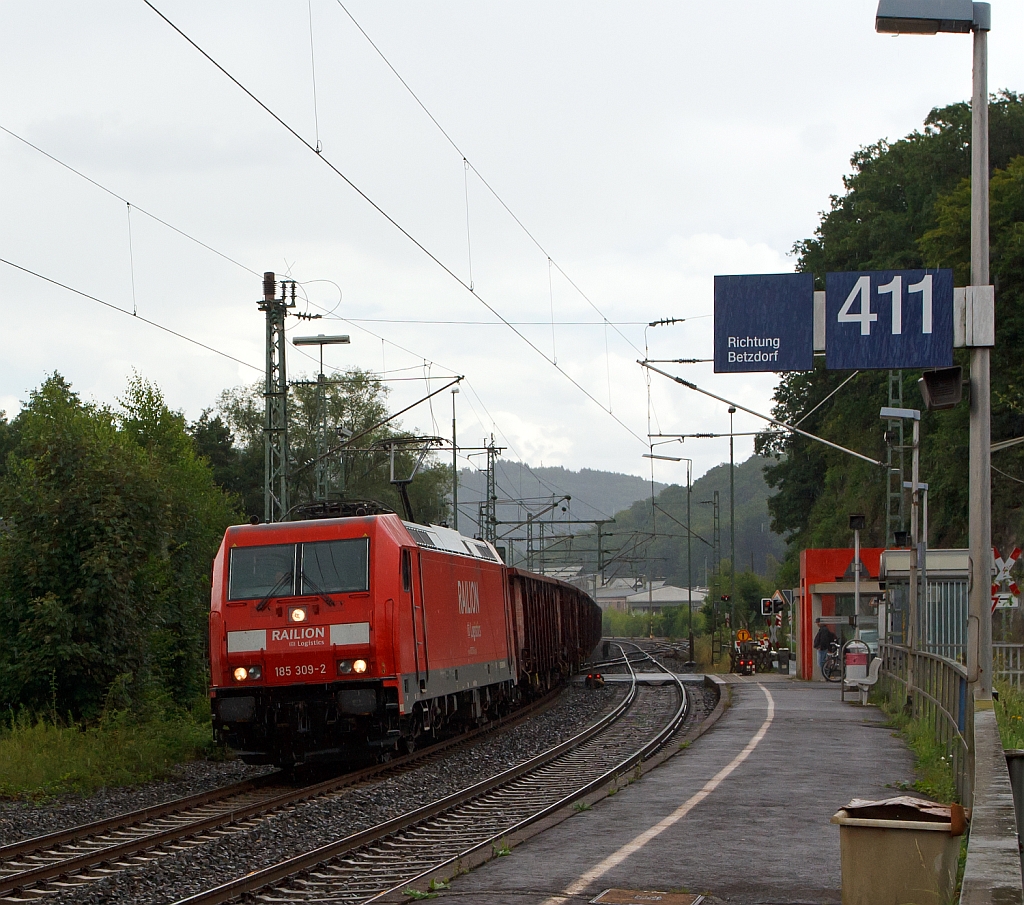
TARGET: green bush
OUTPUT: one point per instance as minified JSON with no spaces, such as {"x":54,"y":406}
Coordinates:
{"x":1010,"y":715}
{"x":934,"y":767}
{"x":40,"y":758}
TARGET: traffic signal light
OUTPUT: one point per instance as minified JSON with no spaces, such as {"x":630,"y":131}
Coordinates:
{"x":767,"y":606}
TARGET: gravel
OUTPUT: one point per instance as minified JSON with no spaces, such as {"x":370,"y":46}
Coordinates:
{"x":272,"y":839}
{"x":23,"y":820}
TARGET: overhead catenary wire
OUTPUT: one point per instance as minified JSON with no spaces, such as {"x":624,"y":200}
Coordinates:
{"x":355,"y":322}
{"x":477,"y":173}
{"x":138,"y":317}
{"x":312,"y":70}
{"x":380,"y":210}
{"x":136,"y":207}
{"x":790,"y":427}
{"x":131,"y":259}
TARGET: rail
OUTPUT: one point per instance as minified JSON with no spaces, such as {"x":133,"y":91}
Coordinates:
{"x":383,"y":860}
{"x":939,"y":698}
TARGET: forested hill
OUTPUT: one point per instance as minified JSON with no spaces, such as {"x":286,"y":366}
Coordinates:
{"x":907,"y":205}
{"x":664,"y":556}
{"x":595,"y":494}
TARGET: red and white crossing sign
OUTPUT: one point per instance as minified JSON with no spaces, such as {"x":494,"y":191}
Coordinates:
{"x":1005,"y":593}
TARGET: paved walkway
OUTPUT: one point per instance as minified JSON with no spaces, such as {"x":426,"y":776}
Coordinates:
{"x":746,"y":829}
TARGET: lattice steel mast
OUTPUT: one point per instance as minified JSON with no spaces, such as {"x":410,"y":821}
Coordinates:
{"x":275,"y":395}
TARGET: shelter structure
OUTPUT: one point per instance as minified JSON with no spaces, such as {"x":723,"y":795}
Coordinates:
{"x":827,"y":591}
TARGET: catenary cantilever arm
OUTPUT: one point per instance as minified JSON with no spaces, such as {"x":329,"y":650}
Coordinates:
{"x":768,"y":418}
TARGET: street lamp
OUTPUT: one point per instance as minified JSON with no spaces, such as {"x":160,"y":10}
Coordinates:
{"x":962,"y":16}
{"x":455,"y":467}
{"x":732,"y":514}
{"x":321,"y":469}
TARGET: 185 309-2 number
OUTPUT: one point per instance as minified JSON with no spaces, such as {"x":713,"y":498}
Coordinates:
{"x":303,"y":669}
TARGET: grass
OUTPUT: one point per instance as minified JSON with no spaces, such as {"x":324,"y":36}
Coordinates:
{"x":933,"y":766}
{"x":40,"y":759}
{"x":1010,"y":715}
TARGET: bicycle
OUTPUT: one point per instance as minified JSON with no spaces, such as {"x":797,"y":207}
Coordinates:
{"x":832,"y":670}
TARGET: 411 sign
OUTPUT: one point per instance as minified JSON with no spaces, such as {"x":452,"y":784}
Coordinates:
{"x":889,"y":319}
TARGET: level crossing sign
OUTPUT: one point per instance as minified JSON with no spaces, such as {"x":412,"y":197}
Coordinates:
{"x":889,"y":319}
{"x":1005,"y":593}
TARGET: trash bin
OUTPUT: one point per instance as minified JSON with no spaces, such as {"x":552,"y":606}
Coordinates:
{"x":855,"y":659}
{"x":784,"y":660}
{"x":900,"y":850}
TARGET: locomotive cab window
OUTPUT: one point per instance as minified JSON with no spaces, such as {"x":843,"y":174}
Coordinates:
{"x":335,"y":566}
{"x":406,"y":571}
{"x":262,"y":572}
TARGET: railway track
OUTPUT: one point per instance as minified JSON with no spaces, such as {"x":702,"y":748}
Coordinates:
{"x":46,"y":865}
{"x":385,"y":859}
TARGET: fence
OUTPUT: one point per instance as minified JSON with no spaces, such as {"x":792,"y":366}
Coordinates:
{"x":941,"y":616}
{"x":939,"y":698}
{"x":1008,"y":663}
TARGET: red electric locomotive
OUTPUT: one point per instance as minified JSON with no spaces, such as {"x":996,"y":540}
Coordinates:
{"x":342,"y":638}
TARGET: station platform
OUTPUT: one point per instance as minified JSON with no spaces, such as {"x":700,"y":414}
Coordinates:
{"x":742,"y":815}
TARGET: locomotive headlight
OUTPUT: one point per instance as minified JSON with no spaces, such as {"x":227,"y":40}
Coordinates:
{"x":297,"y":614}
{"x":241,"y":673}
{"x":344,"y":667}
{"x":359,"y":666}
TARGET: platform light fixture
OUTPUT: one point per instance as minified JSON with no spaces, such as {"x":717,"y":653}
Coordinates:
{"x":929,"y":17}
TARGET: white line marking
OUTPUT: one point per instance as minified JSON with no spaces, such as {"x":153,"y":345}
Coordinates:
{"x":634,"y":845}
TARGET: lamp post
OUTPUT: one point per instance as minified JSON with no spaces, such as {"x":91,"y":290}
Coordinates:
{"x":962,"y":16}
{"x":321,"y":471}
{"x":455,"y":467}
{"x":689,"y":571}
{"x":732,"y":517}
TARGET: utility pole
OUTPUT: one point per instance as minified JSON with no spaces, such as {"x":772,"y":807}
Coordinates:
{"x":275,"y":395}
{"x":689,"y":555}
{"x":732,"y":519}
{"x":455,"y":467}
{"x":979,"y":619}
{"x":490,"y":529}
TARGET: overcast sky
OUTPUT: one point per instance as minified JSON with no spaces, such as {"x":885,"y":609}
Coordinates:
{"x":646,"y":146}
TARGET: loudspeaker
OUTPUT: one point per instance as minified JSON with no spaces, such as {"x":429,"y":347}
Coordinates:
{"x":941,"y":388}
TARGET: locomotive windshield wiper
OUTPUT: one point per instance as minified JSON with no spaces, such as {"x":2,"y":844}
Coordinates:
{"x":315,"y":588}
{"x":262,"y":605}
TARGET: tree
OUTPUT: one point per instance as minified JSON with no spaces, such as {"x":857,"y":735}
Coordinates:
{"x":356,"y":402}
{"x":906,"y":205}
{"x":110,"y":522}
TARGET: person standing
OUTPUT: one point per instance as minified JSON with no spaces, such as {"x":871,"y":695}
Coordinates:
{"x":822,"y":642}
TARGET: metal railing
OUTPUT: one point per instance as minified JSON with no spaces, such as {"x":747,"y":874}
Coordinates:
{"x":1008,"y":663}
{"x":939,"y":698}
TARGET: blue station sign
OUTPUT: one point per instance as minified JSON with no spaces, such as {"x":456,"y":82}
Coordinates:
{"x":889,"y":319}
{"x":764,"y":322}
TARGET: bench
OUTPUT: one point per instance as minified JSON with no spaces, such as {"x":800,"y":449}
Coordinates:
{"x":864,"y":685}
